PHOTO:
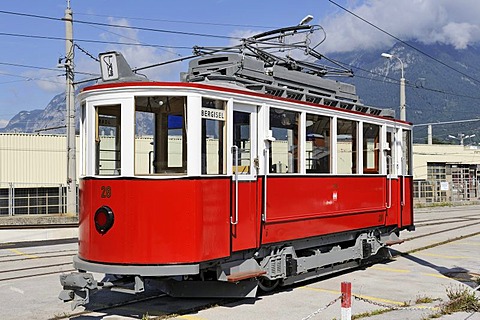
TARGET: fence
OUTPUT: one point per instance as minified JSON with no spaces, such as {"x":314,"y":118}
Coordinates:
{"x":441,"y":191}
{"x":29,"y":199}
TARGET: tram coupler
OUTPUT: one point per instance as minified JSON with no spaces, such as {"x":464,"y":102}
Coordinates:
{"x":76,"y":288}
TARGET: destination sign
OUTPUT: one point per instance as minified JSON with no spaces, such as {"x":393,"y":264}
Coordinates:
{"x":213,"y":114}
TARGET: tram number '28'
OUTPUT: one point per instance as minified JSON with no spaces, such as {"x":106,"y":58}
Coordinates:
{"x":106,"y":191}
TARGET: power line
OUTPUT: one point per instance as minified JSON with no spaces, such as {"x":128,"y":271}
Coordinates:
{"x":89,"y":41}
{"x":404,"y":42}
{"x":396,"y":81}
{"x":177,"y":21}
{"x":139,"y":42}
{"x":40,"y":68}
{"x":121,"y":26}
{"x":26,"y":66}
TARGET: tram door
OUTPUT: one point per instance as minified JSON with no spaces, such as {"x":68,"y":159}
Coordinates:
{"x":392,"y":187}
{"x":245,"y":215}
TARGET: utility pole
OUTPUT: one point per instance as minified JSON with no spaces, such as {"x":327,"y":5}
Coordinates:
{"x":403,"y":112}
{"x":70,"y":119}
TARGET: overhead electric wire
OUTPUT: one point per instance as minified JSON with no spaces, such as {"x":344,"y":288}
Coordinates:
{"x":40,"y":68}
{"x":396,"y":81}
{"x":121,"y":26}
{"x":164,"y":48}
{"x":404,"y":42}
{"x":198,"y":34}
{"x":90,"y":41}
{"x":176,"y":21}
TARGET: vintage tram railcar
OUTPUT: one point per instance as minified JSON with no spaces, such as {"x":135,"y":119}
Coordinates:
{"x":235,"y":178}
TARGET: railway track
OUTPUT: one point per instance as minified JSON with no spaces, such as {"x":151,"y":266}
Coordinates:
{"x":16,"y":264}
{"x":19,"y":263}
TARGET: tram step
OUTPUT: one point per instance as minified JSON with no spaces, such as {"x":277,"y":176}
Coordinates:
{"x":392,"y":242}
{"x":235,"y":277}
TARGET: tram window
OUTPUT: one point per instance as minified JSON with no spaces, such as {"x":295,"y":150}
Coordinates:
{"x":213,"y":133}
{"x":390,"y":152}
{"x":284,"y":151}
{"x":371,"y":134}
{"x":407,"y":144}
{"x":242,"y":140}
{"x":317,"y":152}
{"x":107,"y":140}
{"x":160,"y":136}
{"x":346,"y":146}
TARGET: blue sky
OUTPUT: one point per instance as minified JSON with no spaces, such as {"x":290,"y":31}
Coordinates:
{"x":23,"y":88}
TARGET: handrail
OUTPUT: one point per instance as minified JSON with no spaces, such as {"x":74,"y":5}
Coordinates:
{"x":235,"y":157}
{"x":389,"y":184}
{"x":265,"y":155}
{"x":404,"y":164}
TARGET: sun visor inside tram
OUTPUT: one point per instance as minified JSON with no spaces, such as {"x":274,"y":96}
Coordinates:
{"x":115,"y":68}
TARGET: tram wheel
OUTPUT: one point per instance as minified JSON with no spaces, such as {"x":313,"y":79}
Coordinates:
{"x":267,"y":285}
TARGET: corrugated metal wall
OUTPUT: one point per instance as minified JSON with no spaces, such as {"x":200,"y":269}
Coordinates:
{"x":33,"y":159}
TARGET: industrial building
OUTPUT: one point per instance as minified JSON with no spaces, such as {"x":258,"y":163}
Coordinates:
{"x":33,"y":173}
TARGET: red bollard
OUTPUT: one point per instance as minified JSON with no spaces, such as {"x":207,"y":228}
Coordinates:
{"x":346,"y":301}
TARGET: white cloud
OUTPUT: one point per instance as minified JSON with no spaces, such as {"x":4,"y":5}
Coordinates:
{"x":47,"y":80}
{"x":140,"y":55}
{"x":242,"y":34}
{"x":448,"y":22}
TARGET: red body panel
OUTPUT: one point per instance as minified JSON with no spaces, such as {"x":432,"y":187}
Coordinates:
{"x":157,"y":221}
{"x":306,"y":207}
{"x":186,"y":220}
{"x":407,"y":209}
{"x":246,"y":234}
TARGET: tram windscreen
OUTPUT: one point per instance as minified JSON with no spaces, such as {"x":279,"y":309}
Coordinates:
{"x":160,"y":135}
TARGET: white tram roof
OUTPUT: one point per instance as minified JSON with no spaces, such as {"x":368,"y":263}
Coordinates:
{"x":239,"y":75}
{"x":210,"y":88}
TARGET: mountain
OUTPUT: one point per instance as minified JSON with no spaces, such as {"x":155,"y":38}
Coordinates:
{"x":49,"y":120}
{"x":442,"y":85}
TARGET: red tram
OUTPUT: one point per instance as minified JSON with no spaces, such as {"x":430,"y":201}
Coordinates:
{"x":248,"y":173}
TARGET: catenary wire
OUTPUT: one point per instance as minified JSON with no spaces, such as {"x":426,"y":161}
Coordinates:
{"x":90,"y":41}
{"x":404,"y":42}
{"x":120,"y":26}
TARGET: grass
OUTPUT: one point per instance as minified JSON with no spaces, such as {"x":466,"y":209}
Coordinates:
{"x":424,"y":299}
{"x":460,"y":299}
{"x":370,"y":313}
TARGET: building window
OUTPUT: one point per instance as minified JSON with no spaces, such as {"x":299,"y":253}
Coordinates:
{"x":107,"y":140}
{"x":284,"y":152}
{"x":213,"y":133}
{"x":371,"y":134}
{"x":346,"y":146}
{"x":317,"y":152}
{"x":160,"y":135}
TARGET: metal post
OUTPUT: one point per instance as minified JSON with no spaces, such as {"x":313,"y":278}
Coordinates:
{"x":403,"y":113}
{"x":70,"y":119}
{"x":346,"y":301}
{"x":429,"y":134}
